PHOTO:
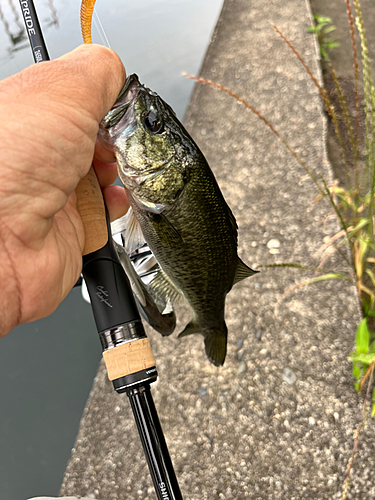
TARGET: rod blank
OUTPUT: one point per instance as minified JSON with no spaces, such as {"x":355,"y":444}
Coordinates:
{"x":154,"y":445}
{"x":34,"y":32}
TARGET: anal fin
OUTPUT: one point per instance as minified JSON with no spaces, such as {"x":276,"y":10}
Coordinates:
{"x":190,"y":329}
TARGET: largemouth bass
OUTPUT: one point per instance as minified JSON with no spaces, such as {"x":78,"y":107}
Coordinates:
{"x":178,"y":208}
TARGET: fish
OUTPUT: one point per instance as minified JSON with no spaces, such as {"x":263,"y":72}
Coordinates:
{"x":178,"y":209}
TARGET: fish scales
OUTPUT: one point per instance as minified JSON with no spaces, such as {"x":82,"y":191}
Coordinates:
{"x":206,"y":255}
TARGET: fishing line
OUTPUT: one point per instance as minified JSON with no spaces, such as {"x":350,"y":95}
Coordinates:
{"x":100,"y":29}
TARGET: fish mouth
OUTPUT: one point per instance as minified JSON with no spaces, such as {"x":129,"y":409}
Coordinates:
{"x":123,"y":103}
{"x":121,"y":120}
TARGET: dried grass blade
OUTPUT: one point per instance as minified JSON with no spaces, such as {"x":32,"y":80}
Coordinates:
{"x":351,"y":460}
{"x":347,"y":120}
{"x":323,"y":277}
{"x":242,"y":101}
{"x":289,"y":264}
{"x":366,"y":375}
{"x":369,"y":110}
{"x":334,"y":206}
{"x":356,"y":70}
{"x":323,"y":92}
{"x":324,"y":247}
{"x":366,"y":290}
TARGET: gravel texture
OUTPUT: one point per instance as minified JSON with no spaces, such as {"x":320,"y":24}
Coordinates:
{"x":277,"y":420}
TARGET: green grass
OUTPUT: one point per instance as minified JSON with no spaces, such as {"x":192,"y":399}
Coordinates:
{"x":322,"y":28}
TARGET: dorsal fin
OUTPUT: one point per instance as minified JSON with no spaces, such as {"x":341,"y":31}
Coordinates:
{"x":243,"y":271}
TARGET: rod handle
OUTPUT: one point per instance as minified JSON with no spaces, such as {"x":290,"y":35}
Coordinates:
{"x":128,"y":358}
{"x":91,"y":208}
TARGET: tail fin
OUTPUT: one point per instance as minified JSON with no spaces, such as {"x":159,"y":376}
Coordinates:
{"x":215,"y":341}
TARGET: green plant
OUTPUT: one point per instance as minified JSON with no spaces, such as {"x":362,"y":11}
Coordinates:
{"x":322,"y":28}
{"x":363,"y":357}
{"x":353,"y":204}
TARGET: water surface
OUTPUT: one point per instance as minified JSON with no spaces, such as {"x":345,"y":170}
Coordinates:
{"x":157,"y":39}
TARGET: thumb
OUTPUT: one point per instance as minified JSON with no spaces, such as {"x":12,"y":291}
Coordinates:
{"x":99,"y":75}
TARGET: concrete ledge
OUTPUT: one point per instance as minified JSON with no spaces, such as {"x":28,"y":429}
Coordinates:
{"x":242,"y":431}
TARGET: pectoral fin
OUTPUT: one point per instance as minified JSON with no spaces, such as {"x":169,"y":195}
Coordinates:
{"x":165,"y":230}
{"x":133,"y":235}
{"x":162,"y":323}
{"x":161,"y":287}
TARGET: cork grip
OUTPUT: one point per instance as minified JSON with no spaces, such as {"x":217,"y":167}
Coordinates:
{"x":91,"y":208}
{"x":128,"y":358}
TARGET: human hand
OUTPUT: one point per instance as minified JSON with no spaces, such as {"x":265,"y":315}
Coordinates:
{"x":50,"y":115}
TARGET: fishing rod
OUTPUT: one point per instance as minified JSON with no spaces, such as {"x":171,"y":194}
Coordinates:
{"x":126,"y":350}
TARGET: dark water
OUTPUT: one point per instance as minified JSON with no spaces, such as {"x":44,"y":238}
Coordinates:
{"x":47,"y":367}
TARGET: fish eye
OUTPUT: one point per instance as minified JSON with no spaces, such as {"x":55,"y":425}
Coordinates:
{"x":152,"y":122}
